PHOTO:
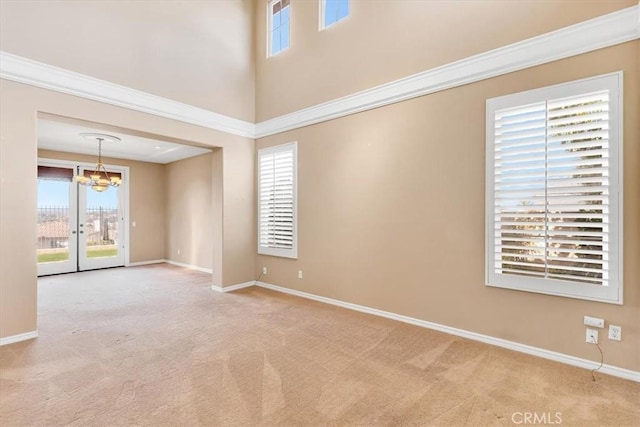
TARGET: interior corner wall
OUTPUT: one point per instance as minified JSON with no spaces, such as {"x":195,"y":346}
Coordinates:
{"x":234,"y":215}
{"x":391,"y":215}
{"x":188,"y":205}
{"x":18,"y":268}
{"x":217,"y":211}
{"x":146,"y":203}
{"x":239,"y":212}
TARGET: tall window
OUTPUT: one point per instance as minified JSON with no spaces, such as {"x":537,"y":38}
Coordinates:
{"x":332,"y":11}
{"x":277,"y":183}
{"x":279,"y":20}
{"x":554,"y":190}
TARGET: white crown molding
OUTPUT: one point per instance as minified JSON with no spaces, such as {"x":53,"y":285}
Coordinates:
{"x":27,"y":71}
{"x":604,"y":31}
{"x":17,"y":338}
{"x":522,"y":348}
{"x":225,"y":289}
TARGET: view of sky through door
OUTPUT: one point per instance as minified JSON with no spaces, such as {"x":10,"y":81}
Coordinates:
{"x":53,"y":220}
{"x":51,"y":194}
{"x":99,"y":223}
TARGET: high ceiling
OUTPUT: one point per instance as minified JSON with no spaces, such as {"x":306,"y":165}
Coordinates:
{"x":199,"y":53}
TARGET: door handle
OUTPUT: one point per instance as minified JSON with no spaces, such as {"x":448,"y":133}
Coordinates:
{"x":81,"y":232}
{"x":73,"y":232}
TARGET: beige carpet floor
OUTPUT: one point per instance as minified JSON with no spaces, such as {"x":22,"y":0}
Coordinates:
{"x":154,"y":346}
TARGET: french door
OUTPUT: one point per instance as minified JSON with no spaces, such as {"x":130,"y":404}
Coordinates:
{"x":78,"y":228}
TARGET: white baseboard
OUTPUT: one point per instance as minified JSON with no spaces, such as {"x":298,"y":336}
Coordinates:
{"x":233,"y":287}
{"x":189,"y":266}
{"x":139,"y":263}
{"x":522,"y":348}
{"x":17,"y":338}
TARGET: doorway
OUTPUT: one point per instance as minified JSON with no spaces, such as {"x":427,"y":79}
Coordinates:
{"x":79,"y":229}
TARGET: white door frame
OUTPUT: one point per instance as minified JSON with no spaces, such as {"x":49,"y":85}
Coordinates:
{"x":124,"y":193}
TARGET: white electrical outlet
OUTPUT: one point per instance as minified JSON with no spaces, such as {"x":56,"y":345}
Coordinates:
{"x":178,"y":251}
{"x":592,"y":336}
{"x":264,"y":270}
{"x":299,"y":274}
{"x":615,"y":332}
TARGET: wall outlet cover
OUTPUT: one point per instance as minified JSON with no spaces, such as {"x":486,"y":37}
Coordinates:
{"x":592,"y":336}
{"x":615,"y":332}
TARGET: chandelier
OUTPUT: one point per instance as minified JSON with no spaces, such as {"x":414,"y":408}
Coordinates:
{"x":99,"y":180}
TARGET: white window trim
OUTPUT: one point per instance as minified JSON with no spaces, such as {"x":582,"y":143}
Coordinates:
{"x":321,"y":26}
{"x":613,"y":293}
{"x":270,"y":32}
{"x":279,"y":252}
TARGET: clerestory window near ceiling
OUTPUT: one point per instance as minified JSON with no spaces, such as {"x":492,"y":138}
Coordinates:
{"x":332,"y":11}
{"x":279,"y":20}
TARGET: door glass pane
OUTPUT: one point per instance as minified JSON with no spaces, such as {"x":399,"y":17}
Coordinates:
{"x":101,"y":223}
{"x":53,"y":221}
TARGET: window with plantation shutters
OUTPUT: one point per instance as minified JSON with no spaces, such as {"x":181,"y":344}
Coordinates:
{"x":277,"y":176}
{"x":553,"y":190}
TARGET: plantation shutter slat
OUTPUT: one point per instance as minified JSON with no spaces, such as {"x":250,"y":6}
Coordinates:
{"x":551,"y":189}
{"x":277,"y":201}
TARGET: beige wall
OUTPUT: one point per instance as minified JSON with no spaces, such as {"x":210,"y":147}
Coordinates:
{"x":188,"y":206}
{"x":385,"y":40}
{"x":391,"y":201}
{"x":197,"y":52}
{"x":146,"y":203}
{"x":232,"y":213}
{"x":391,"y":215}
